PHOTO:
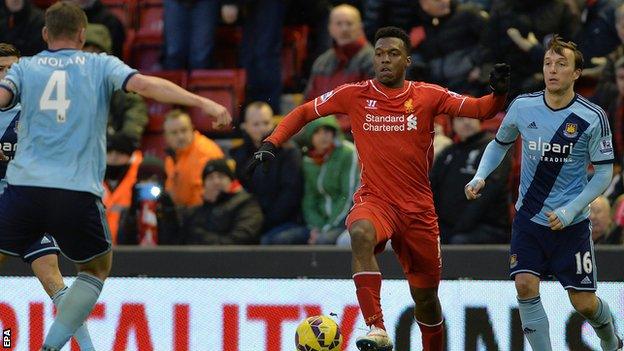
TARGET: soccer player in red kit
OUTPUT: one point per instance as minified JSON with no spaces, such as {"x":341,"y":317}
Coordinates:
{"x":392,"y":125}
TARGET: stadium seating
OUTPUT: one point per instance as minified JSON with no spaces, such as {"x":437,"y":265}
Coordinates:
{"x":226,"y":87}
{"x":149,"y":20}
{"x":157,"y":110}
{"x":124,"y":10}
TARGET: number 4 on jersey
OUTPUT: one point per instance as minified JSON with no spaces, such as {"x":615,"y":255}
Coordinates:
{"x":56,"y":86}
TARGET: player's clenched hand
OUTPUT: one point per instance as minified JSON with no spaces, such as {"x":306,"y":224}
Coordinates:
{"x":559,"y":218}
{"x":218,"y":112}
{"x":3,"y":157}
{"x":265,"y":154}
{"x":473,"y":188}
{"x":499,"y":78}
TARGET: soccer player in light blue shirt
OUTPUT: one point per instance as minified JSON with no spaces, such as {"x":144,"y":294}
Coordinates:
{"x":55,"y":179}
{"x":562,"y":133}
{"x":42,"y":254}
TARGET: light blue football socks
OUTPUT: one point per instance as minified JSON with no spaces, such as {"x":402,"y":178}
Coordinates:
{"x":75,"y":307}
{"x":82,"y":334}
{"x":535,"y":323}
{"x":602,"y":322}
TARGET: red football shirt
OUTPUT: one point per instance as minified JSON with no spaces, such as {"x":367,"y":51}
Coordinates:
{"x":393,"y":133}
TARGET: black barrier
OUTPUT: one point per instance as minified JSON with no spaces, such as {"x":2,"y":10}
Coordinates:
{"x":483,"y":262}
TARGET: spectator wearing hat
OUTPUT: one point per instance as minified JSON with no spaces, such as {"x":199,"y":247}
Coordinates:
{"x":152,"y":217}
{"x":128,"y":112}
{"x":331,"y":173}
{"x":228,"y":215}
{"x":122,"y":166}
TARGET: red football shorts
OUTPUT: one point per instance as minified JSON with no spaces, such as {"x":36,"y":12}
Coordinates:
{"x":415,"y":238}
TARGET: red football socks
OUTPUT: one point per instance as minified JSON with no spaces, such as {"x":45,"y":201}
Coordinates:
{"x":432,"y":336}
{"x":368,"y":290}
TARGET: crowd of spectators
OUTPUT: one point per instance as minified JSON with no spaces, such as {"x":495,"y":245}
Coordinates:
{"x":199,"y":192}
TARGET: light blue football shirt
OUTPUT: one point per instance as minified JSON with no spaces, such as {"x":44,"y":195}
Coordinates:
{"x":557,"y":147}
{"x":65,"y":96}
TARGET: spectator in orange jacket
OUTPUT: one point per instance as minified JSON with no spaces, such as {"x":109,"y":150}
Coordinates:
{"x":189,"y":151}
{"x":122,"y":164}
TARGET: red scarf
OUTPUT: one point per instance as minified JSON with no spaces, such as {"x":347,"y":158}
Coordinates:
{"x":320,"y":157}
{"x":345,"y":53}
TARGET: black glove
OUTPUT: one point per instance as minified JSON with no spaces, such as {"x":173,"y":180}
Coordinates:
{"x":265,"y":153}
{"x":499,"y":78}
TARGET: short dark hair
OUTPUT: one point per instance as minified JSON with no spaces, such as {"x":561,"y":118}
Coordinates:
{"x":64,"y":20}
{"x":8,"y":50}
{"x":557,"y":44}
{"x":394,"y":32}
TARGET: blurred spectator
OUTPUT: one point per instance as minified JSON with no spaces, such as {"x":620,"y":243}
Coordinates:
{"x":604,"y":230}
{"x":262,"y":46}
{"x":606,"y":90}
{"x":597,"y":36}
{"x":615,"y":112}
{"x":98,"y":13}
{"x":482,"y":221}
{"x":122,"y":165}
{"x":447,"y":46}
{"x":440,"y":140}
{"x":349,"y":60}
{"x":151,"y":218}
{"x":128,"y":112}
{"x":383,"y":13}
{"x":190,"y":28}
{"x":512,"y":32}
{"x":228,"y":216}
{"x":20,"y":25}
{"x":279,"y":186}
{"x":331,"y":173}
{"x":484,"y":4}
{"x":188,"y":151}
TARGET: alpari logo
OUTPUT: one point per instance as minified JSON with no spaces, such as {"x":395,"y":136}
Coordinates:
{"x":412,"y":122}
{"x":545,"y":147}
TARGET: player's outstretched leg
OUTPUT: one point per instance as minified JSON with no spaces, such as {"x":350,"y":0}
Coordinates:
{"x":47,"y":271}
{"x":78,"y":301}
{"x":532,"y":314}
{"x":428,"y":314}
{"x":367,"y":280}
{"x":598,"y":314}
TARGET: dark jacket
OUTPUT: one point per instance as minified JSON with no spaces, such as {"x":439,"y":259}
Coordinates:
{"x":166,"y":215}
{"x":127,"y":115}
{"x":451,"y":171}
{"x":450,"y":48}
{"x":23,"y":28}
{"x":233,"y":219}
{"x":98,"y":13}
{"x":598,"y":36}
{"x":543,"y":18}
{"x":382,"y":13}
{"x":279,"y":189}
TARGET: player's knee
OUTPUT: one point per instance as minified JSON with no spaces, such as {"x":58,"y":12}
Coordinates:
{"x":362,"y":237}
{"x":585,"y":304}
{"x":526,"y":286}
{"x":425,"y":299}
{"x":99,"y":267}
